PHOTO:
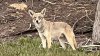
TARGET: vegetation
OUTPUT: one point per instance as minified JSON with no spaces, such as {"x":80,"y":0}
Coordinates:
{"x":30,"y":47}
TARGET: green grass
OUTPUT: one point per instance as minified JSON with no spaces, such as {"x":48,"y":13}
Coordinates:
{"x":30,"y":47}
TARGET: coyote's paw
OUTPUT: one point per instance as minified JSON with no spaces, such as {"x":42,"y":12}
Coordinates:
{"x":62,"y":48}
{"x":40,"y":46}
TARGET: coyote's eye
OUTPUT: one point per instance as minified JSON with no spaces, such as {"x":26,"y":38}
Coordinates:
{"x":34,"y":17}
{"x":40,"y":17}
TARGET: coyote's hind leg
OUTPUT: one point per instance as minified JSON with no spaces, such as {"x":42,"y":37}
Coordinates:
{"x":62,"y":43}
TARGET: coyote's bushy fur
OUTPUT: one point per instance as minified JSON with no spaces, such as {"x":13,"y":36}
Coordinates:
{"x":48,"y":30}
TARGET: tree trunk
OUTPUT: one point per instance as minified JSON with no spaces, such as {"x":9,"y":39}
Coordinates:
{"x":96,"y":27}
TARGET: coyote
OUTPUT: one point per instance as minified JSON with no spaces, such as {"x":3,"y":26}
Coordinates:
{"x":48,"y":30}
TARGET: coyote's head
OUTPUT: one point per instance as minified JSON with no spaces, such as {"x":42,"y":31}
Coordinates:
{"x":37,"y":17}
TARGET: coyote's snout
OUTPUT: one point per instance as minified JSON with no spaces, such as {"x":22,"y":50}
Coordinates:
{"x":48,"y":30}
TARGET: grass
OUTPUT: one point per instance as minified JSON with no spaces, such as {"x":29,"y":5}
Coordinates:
{"x":30,"y":47}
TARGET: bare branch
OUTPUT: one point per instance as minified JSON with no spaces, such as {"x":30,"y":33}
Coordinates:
{"x":49,"y":2}
{"x":77,"y":21}
{"x":68,"y":15}
{"x":90,"y":46}
{"x":88,"y":16}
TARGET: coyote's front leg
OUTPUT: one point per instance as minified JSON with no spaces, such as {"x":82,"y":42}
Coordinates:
{"x":43,"y":39}
{"x":48,"y":37}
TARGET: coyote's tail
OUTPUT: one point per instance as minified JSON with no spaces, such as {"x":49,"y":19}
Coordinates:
{"x":70,"y":36}
{"x":75,"y":43}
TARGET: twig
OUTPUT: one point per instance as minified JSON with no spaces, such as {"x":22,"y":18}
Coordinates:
{"x":49,"y":2}
{"x":87,"y":41}
{"x":80,"y":44}
{"x":68,"y":15}
{"x":90,"y":46}
{"x":29,"y":26}
{"x":88,"y":16}
{"x":2,"y":16}
{"x":32,"y":3}
{"x":77,"y":21}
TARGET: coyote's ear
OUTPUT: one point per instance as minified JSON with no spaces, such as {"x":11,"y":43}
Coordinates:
{"x":43,"y":11}
{"x":31,"y":13}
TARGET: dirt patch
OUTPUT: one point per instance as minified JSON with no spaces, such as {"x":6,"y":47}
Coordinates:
{"x":79,"y":14}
